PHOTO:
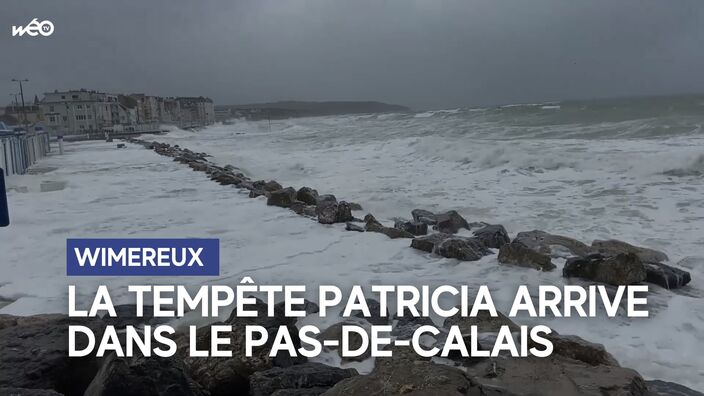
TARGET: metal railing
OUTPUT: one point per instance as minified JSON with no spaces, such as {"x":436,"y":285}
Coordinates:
{"x":19,"y":151}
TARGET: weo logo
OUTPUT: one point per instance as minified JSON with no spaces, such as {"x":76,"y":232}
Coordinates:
{"x":33,"y":28}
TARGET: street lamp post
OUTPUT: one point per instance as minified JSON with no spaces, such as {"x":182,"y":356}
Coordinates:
{"x":24,"y":113}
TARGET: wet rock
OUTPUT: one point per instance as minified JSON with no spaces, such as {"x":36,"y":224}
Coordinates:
{"x":554,"y":245}
{"x":576,"y":348}
{"x":414,"y":227}
{"x":428,"y":243}
{"x":34,"y":353}
{"x":271,"y":186}
{"x":613,"y":247}
{"x":326,"y":212}
{"x":464,"y":249}
{"x":623,"y":269}
{"x":554,"y":375}
{"x":353,"y":227}
{"x":282,"y":198}
{"x":330,"y":212}
{"x":307,"y":195}
{"x":314,"y":377}
{"x":230,"y":375}
{"x":344,"y":212}
{"x":423,"y":216}
{"x":140,"y":376}
{"x":127,"y":315}
{"x":517,"y":254}
{"x":450,"y":222}
{"x":198,"y":166}
{"x":302,"y":209}
{"x":483,"y":320}
{"x":225,"y":179}
{"x":666,"y":276}
{"x":373,"y":225}
{"x":375,"y":317}
{"x":326,"y":198}
{"x":406,"y":325}
{"x":396,"y":376}
{"x":663,"y":388}
{"x":493,"y":236}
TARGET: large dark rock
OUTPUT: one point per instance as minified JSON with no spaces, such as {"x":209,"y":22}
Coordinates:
{"x":427,"y":243}
{"x":663,"y":388}
{"x":666,"y":276}
{"x":314,"y":377}
{"x":34,"y":353}
{"x":483,"y":320}
{"x":326,"y":212}
{"x":450,"y":222}
{"x":576,"y":348}
{"x":406,"y":325}
{"x":126,"y":315}
{"x":230,"y":375}
{"x":517,"y":254}
{"x":344,"y":212}
{"x":613,"y":247}
{"x":140,"y":376}
{"x":302,"y":209}
{"x":414,"y":227}
{"x":375,"y":317}
{"x":493,"y":236}
{"x":272,"y":186}
{"x":464,"y":249}
{"x":307,"y":195}
{"x":553,"y":376}
{"x":423,"y":216}
{"x":325,"y":198}
{"x":282,"y":198}
{"x":554,"y":245}
{"x":623,"y":269}
{"x":394,"y":376}
{"x":373,"y":225}
{"x":330,"y":212}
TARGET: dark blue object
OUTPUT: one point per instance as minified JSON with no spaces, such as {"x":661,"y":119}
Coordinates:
{"x":130,"y":257}
{"x":4,"y":215}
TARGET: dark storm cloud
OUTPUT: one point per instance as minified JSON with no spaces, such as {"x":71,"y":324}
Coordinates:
{"x":423,"y":53}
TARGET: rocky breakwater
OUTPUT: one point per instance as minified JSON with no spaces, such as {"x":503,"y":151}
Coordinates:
{"x":612,"y":262}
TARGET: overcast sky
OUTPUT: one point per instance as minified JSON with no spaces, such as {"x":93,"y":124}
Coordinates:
{"x":421,"y":53}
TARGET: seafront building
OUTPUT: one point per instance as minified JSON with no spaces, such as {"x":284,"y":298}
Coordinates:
{"x":86,"y":112}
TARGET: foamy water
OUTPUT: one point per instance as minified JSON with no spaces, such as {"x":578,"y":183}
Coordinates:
{"x":588,"y":172}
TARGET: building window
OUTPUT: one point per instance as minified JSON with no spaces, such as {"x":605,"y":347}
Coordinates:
{"x":80,"y":117}
{"x":63,"y":96}
{"x":79,"y":106}
{"x":74,"y":96}
{"x":51,"y":108}
{"x":52,"y":119}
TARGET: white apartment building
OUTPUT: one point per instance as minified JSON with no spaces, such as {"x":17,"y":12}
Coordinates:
{"x":195,"y":111}
{"x":83,"y":111}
